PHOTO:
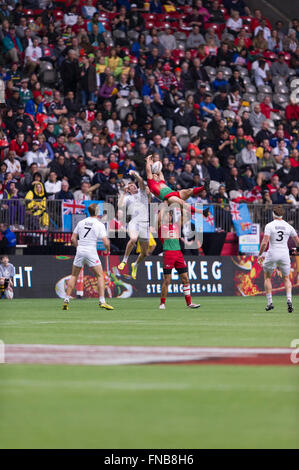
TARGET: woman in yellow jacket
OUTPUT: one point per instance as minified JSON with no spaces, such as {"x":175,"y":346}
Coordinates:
{"x":37,"y":204}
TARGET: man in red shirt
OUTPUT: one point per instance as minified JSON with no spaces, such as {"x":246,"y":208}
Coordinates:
{"x":19,"y":145}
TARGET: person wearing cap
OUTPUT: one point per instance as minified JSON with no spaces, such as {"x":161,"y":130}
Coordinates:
{"x":12,"y":47}
{"x":207,"y":108}
{"x":136,"y":20}
{"x":166,"y":78}
{"x":35,"y":105}
{"x":25,"y":93}
{"x":35,"y":156}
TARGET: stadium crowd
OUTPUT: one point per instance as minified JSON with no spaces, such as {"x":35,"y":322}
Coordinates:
{"x":88,"y":89}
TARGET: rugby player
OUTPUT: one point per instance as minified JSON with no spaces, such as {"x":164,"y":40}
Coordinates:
{"x":169,"y":234}
{"x":136,"y":202}
{"x":159,"y":189}
{"x":84,"y":238}
{"x":277,"y":234}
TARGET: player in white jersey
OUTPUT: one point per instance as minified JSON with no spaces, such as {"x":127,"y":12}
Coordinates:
{"x":136,"y":202}
{"x":85,"y":236}
{"x":277,"y":234}
{"x":7,"y":272}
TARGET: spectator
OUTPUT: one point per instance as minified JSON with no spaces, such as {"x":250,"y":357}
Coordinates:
{"x":37,"y":205}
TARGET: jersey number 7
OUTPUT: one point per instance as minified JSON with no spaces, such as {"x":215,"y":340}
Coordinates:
{"x":88,"y":230}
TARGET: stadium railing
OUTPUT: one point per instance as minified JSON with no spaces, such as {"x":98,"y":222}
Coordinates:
{"x":20,"y":218}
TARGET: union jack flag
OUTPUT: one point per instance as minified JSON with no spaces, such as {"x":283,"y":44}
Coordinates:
{"x":210,"y":220}
{"x":73,"y":207}
{"x":235,"y":212}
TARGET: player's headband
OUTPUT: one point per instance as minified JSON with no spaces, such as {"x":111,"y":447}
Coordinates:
{"x":276,"y":216}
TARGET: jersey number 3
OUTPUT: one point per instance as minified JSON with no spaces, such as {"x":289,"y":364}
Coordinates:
{"x":280,"y":234}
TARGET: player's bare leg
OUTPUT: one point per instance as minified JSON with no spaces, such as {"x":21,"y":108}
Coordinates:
{"x":142,"y":255}
{"x":186,"y":193}
{"x":268,"y":290}
{"x":71,"y":286}
{"x":98,"y":272}
{"x":187,"y":291}
{"x":164,"y":290}
{"x":288,"y":287}
{"x":130,"y":245}
{"x":184,"y":205}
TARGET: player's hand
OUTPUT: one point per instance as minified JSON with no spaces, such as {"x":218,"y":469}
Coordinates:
{"x":260,"y":260}
{"x":149,"y":159}
{"x":294,"y":251}
{"x":106,"y":252}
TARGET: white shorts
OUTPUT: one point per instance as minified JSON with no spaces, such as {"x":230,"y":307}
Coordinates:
{"x":277,"y":260}
{"x":91,"y":258}
{"x":8,"y":293}
{"x":141,"y":229}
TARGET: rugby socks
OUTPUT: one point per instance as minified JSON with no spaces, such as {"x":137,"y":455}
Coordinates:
{"x":289,"y":297}
{"x":67,"y":299}
{"x":2,"y":289}
{"x":125,"y":259}
{"x":163,"y":300}
{"x":269,"y":299}
{"x":197,"y":190}
{"x":187,"y":293}
{"x":102,"y":300}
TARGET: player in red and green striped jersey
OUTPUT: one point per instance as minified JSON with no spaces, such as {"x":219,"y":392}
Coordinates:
{"x":159,"y":188}
{"x":169,"y":234}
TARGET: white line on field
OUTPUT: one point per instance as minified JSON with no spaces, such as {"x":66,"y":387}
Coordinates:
{"x":137,"y":386}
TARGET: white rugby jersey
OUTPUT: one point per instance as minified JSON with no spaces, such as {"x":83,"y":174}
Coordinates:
{"x":279,"y":232}
{"x":89,"y":230}
{"x":137,"y":205}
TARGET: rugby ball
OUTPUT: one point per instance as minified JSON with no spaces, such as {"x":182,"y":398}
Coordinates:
{"x":157,"y":167}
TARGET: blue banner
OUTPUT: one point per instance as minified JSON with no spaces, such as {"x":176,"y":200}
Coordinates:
{"x":241,"y":218}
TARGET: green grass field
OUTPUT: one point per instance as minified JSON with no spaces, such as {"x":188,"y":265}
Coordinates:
{"x":149,"y":406}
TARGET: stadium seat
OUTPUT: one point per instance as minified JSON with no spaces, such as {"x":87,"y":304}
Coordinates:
{"x":280,"y":99}
{"x":266,"y":89}
{"x":283,"y":89}
{"x":227,"y":72}
{"x":249,"y":97}
{"x":180,"y":130}
{"x":278,"y":81}
{"x":228,"y":114}
{"x":250,"y":88}
{"x":194,"y":130}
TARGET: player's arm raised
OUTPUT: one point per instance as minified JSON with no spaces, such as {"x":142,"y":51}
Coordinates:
{"x":263,"y":246}
{"x":138,"y":178}
{"x":148,"y":167}
{"x":74,"y":239}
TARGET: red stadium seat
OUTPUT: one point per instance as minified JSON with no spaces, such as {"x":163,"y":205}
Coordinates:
{"x":270,"y":55}
{"x":58,"y":14}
